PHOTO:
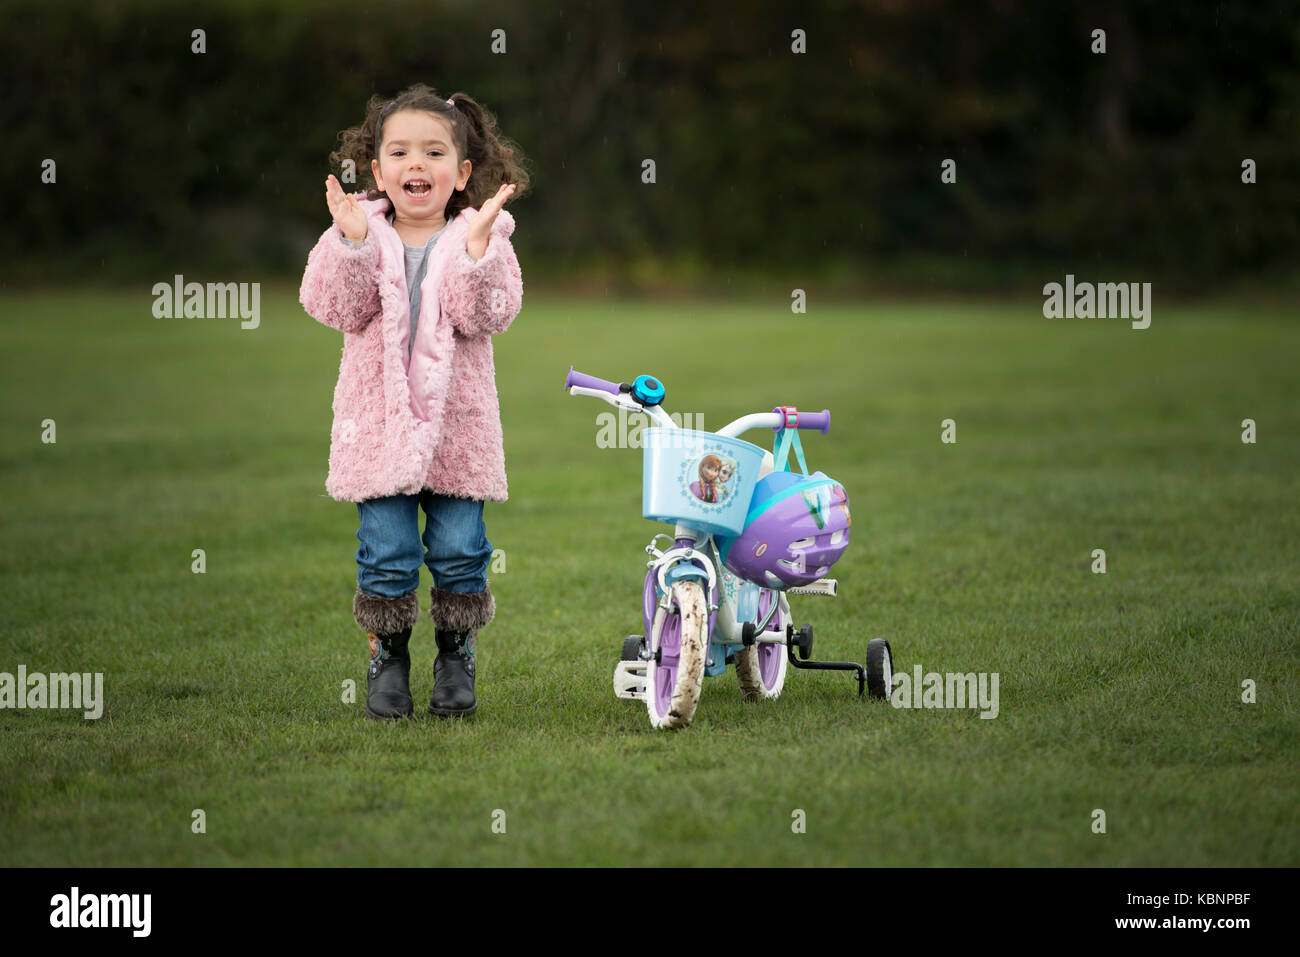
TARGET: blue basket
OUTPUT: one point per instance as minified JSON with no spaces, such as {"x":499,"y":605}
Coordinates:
{"x":700,"y":479}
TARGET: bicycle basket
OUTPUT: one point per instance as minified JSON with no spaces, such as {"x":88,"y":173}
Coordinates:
{"x":700,"y":479}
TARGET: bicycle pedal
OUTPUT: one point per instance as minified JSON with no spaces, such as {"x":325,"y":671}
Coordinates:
{"x":630,"y":680}
{"x":822,"y":586}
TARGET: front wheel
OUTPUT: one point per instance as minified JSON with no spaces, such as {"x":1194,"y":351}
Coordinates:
{"x":675,"y":671}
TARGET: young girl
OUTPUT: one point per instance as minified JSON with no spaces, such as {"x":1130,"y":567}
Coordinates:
{"x":419,"y":274}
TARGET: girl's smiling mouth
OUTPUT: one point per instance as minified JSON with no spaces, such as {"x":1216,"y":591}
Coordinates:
{"x":418,"y":188}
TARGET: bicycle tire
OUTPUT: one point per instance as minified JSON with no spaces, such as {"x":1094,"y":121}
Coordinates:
{"x":761,"y":667}
{"x":675,"y":672}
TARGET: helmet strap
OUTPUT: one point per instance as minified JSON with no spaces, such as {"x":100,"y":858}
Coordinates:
{"x":785,"y":440}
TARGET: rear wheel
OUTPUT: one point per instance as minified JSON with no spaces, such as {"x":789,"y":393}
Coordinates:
{"x":761,"y":667}
{"x":675,"y":671}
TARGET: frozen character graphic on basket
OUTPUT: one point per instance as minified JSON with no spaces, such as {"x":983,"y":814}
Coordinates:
{"x":714,"y":473}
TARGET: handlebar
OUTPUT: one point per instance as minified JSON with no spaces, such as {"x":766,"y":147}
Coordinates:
{"x":779,"y":418}
{"x":591,"y":382}
{"x":821,"y":421}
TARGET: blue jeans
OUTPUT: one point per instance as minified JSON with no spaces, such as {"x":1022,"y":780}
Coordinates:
{"x":454,"y":545}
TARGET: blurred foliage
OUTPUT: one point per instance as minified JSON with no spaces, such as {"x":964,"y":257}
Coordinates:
{"x":826,"y":161}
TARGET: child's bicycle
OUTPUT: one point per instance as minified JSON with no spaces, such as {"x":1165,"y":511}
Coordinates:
{"x":748,"y":532}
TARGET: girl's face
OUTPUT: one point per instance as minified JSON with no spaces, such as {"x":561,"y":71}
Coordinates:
{"x":724,"y":474}
{"x":709,"y":471}
{"x":417,"y":165}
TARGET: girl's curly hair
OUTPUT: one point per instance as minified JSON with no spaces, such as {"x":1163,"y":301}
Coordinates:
{"x":495,"y":160}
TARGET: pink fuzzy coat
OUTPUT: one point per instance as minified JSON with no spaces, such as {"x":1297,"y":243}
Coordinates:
{"x":431,"y":421}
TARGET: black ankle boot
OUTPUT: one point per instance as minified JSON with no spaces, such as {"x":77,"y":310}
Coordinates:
{"x":453,"y":674}
{"x":388,"y":688}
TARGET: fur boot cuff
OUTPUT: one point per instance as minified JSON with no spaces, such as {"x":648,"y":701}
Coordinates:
{"x":458,"y":611}
{"x":384,"y":616}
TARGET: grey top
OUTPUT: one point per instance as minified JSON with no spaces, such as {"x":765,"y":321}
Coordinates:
{"x":417,"y":265}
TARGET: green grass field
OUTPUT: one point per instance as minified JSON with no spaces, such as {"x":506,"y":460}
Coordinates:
{"x":1119,"y":692}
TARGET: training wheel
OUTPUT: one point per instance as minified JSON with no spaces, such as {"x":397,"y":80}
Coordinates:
{"x":803,"y":640}
{"x":880,"y":668}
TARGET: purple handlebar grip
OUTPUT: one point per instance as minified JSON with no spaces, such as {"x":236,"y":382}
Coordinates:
{"x":821,"y":421}
{"x":589,"y":382}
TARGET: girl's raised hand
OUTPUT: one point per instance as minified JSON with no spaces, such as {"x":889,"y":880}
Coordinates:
{"x":481,"y":225}
{"x":348,"y":214}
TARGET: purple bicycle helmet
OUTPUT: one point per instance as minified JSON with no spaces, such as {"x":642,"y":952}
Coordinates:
{"x":796,"y":529}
